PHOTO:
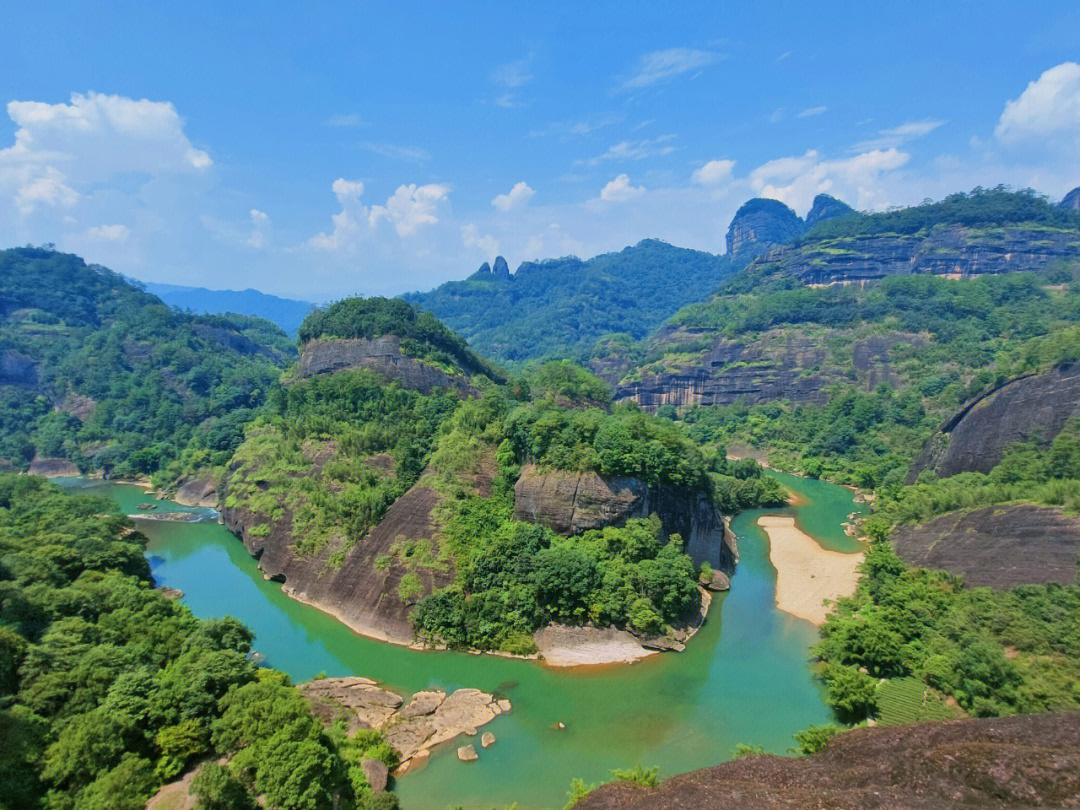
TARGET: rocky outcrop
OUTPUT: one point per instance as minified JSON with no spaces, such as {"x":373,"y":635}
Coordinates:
{"x":760,"y":224}
{"x":975,"y":438}
{"x":1071,"y":201}
{"x":997,"y":546}
{"x":951,"y":250}
{"x":1003,"y":763}
{"x":414,"y":728}
{"x":197,"y":491}
{"x":381,"y":355}
{"x":52,"y":467}
{"x":826,"y":207}
{"x":355,"y":582}
{"x":573,"y":502}
{"x":17,"y":368}
{"x":499,"y":272}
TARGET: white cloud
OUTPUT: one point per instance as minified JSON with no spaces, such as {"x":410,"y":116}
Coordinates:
{"x":895,"y":137}
{"x":1048,"y":108}
{"x":109,"y":233}
{"x":662,"y":65}
{"x":520,"y":194}
{"x":713,"y":173}
{"x":471,"y":238}
{"x":346,"y":190}
{"x":634,"y":150}
{"x":797,"y":180}
{"x":513,"y":74}
{"x":346,"y":120}
{"x":811,"y":111}
{"x":48,"y":188}
{"x":620,"y":190}
{"x":410,"y":207}
{"x":409,"y":154}
{"x":260,"y":221}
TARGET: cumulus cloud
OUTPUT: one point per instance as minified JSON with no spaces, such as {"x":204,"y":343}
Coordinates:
{"x":48,"y":187}
{"x":620,"y":190}
{"x":659,"y":66}
{"x":1048,"y":109}
{"x":410,"y":207}
{"x":109,"y":233}
{"x":713,"y":173}
{"x":796,"y":180}
{"x":519,"y":195}
{"x":471,"y":238}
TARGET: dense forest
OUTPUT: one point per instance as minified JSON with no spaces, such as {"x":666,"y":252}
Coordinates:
{"x":558,"y":308}
{"x":108,"y":689}
{"x":99,"y":372}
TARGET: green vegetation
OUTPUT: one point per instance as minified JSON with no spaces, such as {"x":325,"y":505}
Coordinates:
{"x":558,"y":308}
{"x":993,"y":652}
{"x":108,"y":689}
{"x":331,"y":453}
{"x":99,"y":372}
{"x":815,"y":738}
{"x":422,"y":335}
{"x":980,"y":208}
{"x":910,"y":700}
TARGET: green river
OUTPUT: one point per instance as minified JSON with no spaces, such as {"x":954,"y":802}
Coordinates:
{"x":745,"y":677}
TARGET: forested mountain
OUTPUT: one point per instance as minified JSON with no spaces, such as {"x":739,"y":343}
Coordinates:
{"x":99,"y":372}
{"x":559,"y":307}
{"x":287,"y":313}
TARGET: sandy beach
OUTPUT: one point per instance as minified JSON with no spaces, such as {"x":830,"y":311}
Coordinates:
{"x":806,"y":573}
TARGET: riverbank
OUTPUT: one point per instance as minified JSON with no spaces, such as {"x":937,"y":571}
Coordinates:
{"x":806,"y":573}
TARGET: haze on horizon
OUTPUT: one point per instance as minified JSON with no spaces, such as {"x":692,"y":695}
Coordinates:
{"x":318,"y":152}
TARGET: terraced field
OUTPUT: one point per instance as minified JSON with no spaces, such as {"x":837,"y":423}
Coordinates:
{"x":909,"y":700}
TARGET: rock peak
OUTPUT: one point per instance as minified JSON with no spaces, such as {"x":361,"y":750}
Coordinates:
{"x":1071,"y":202}
{"x":500,"y":268}
{"x":827,"y":207}
{"x":761,"y":223}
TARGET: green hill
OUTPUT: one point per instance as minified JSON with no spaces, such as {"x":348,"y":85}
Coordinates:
{"x":97,"y":371}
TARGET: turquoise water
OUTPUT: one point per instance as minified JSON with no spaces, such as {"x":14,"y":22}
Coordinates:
{"x":744,"y":678}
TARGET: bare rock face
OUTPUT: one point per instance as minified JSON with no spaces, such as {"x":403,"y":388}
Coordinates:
{"x":1003,"y":763}
{"x":572,"y":502}
{"x":17,"y":368}
{"x":467,"y":753}
{"x":384,"y":357}
{"x":487,"y":739}
{"x":197,"y":491}
{"x":377,"y":774}
{"x":345,"y":581}
{"x":1071,"y":202}
{"x":429,"y":718}
{"x":997,"y":546}
{"x":761,"y":223}
{"x":52,"y":467}
{"x":975,"y":439}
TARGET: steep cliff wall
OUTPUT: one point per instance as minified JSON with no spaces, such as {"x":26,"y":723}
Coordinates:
{"x":976,"y":438}
{"x":359,"y":584}
{"x":949,"y":250}
{"x":572,"y":502}
{"x":998,"y":546}
{"x":381,"y":355}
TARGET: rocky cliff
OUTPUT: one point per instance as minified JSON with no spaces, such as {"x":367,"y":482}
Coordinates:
{"x":1071,"y":202}
{"x":950,"y":250}
{"x":826,"y":207}
{"x":355,"y":582}
{"x":759,"y":224}
{"x":572,"y":502}
{"x":995,"y":764}
{"x":382,"y":355}
{"x":777,"y":364}
{"x":977,"y":436}
{"x":998,"y":546}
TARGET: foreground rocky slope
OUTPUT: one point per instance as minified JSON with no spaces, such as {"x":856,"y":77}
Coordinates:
{"x":1013,"y":762}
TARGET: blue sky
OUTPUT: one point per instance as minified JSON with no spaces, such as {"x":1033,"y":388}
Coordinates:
{"x":317,"y":150}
